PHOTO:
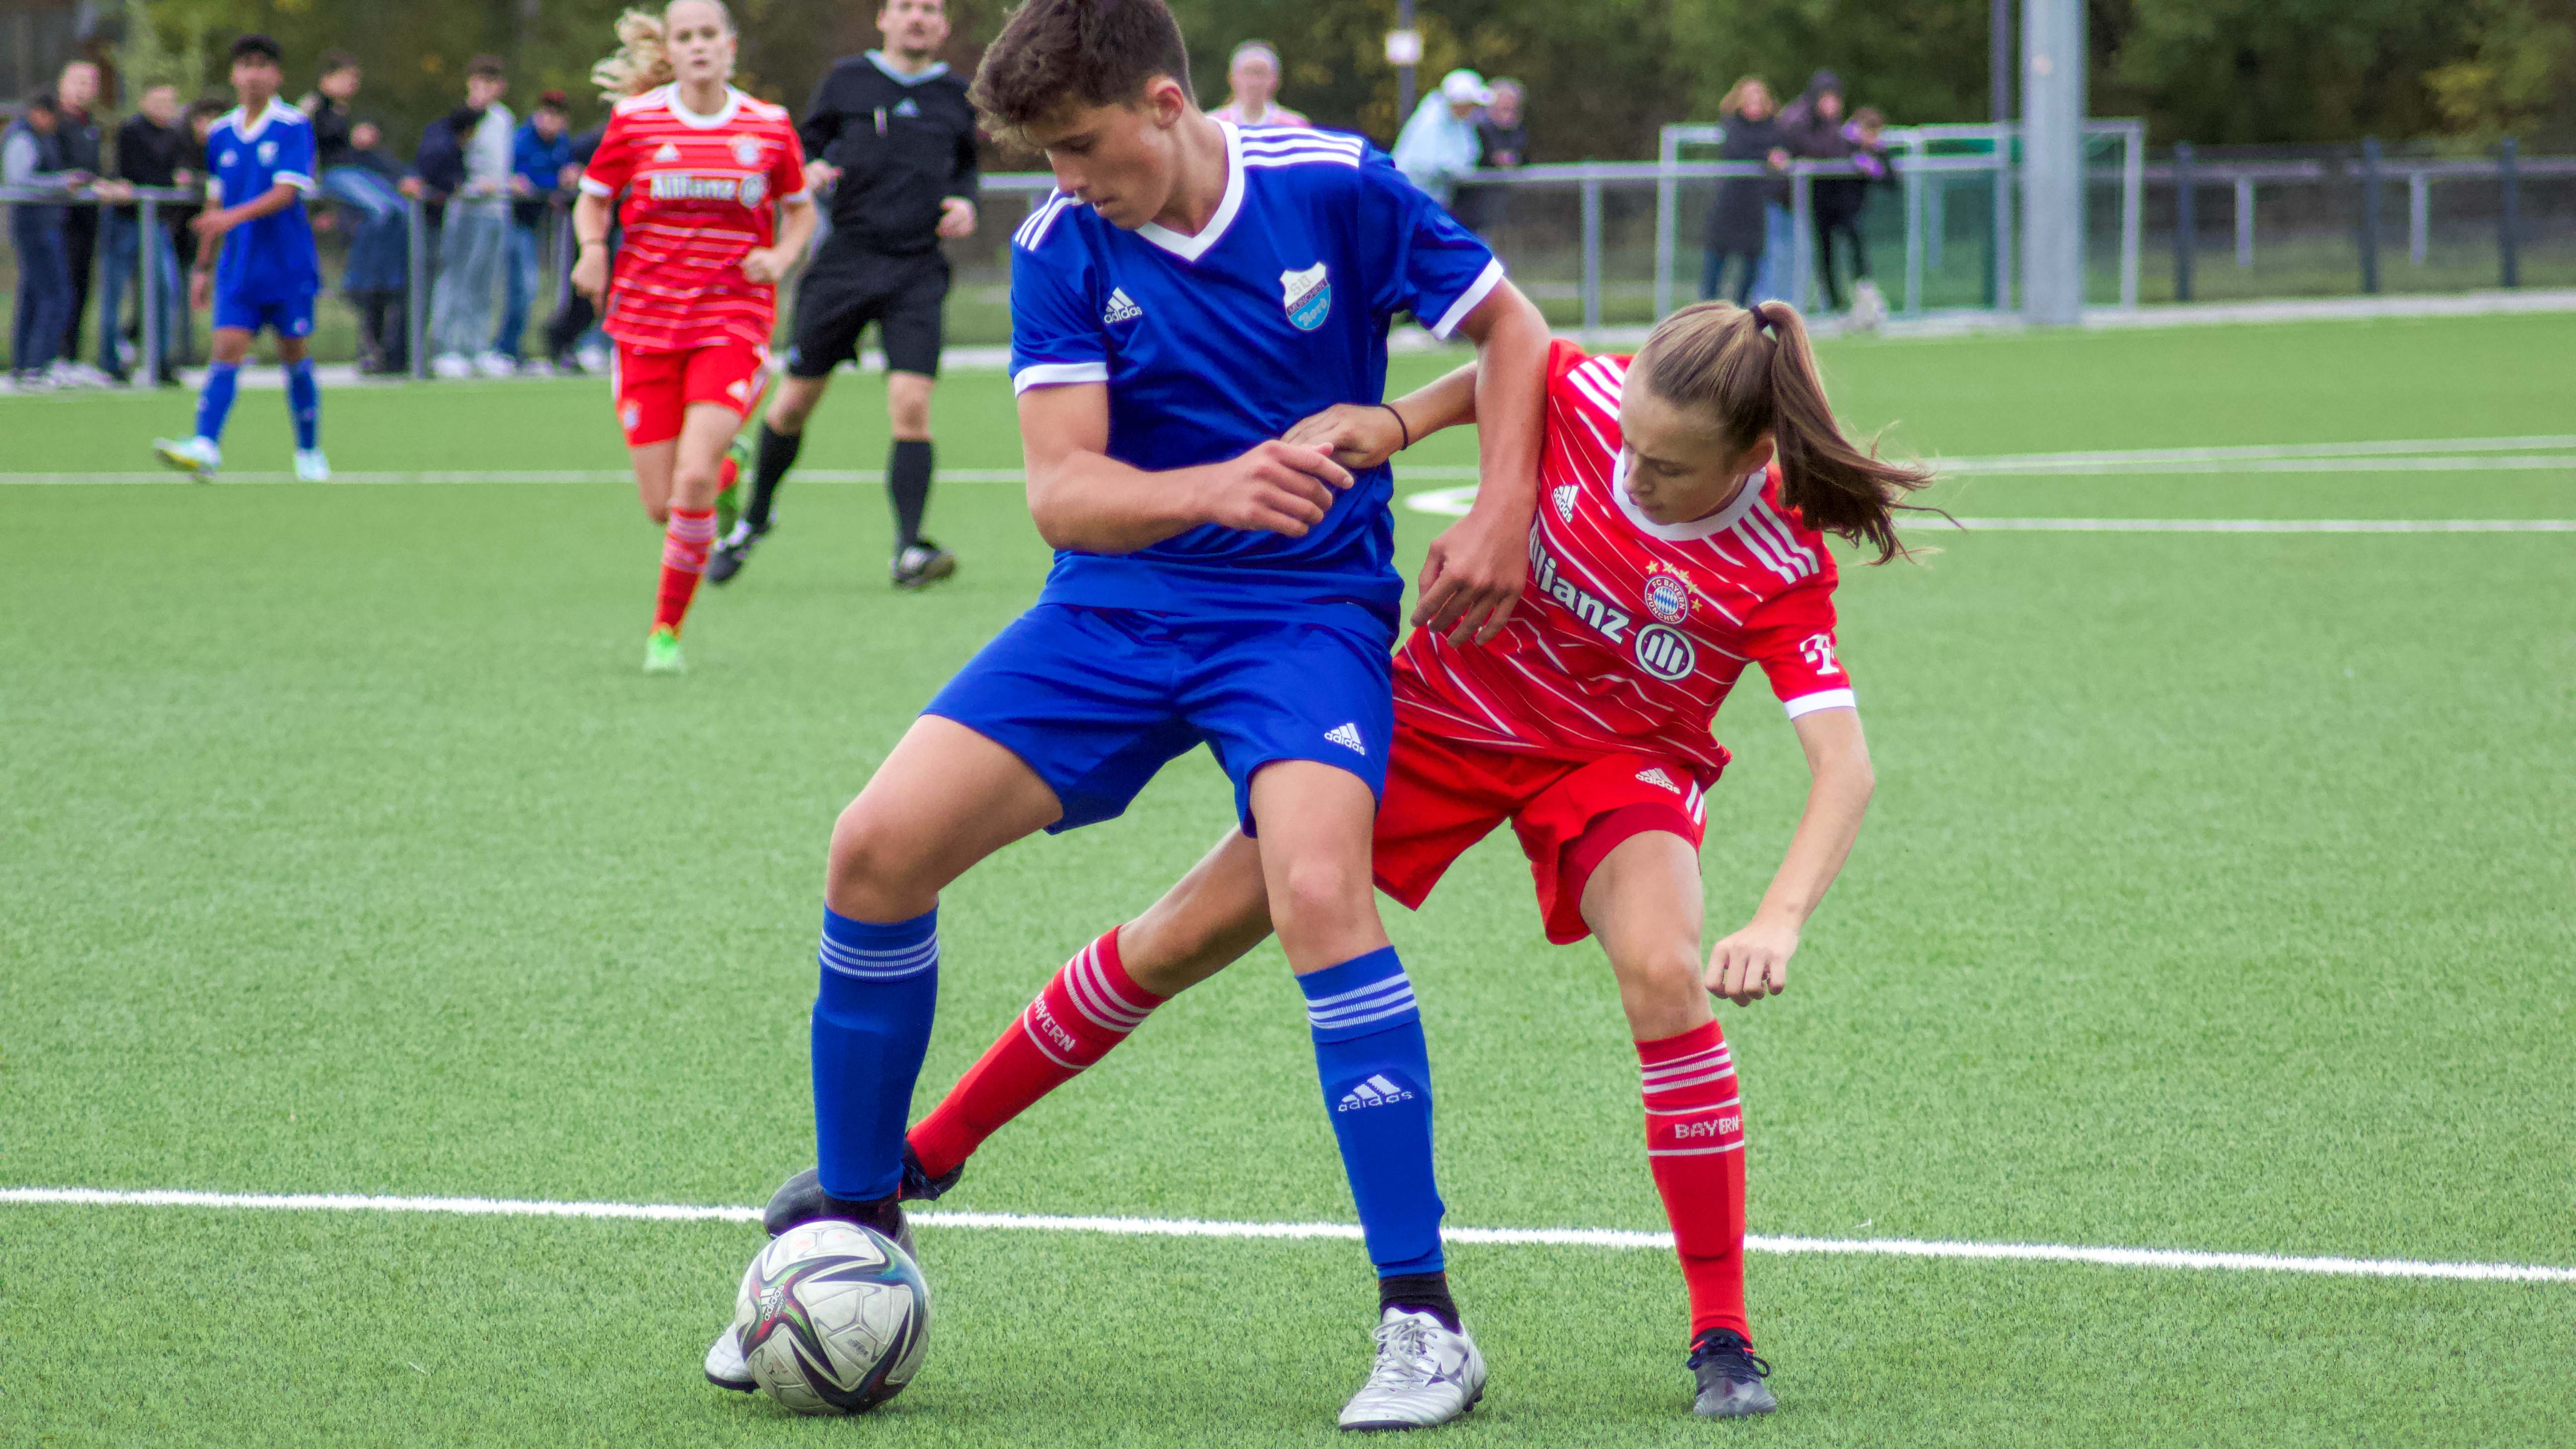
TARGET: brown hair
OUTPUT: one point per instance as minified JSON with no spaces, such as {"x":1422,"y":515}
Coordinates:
{"x":336,"y":61}
{"x":1056,"y":53}
{"x":1754,"y":371}
{"x":1744,"y":87}
{"x":487,"y":67}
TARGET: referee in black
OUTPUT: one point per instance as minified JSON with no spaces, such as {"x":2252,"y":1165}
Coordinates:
{"x":891,"y":130}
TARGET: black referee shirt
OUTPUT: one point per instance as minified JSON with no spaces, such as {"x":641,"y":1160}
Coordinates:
{"x":903,"y":143}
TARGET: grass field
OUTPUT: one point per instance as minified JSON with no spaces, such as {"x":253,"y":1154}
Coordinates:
{"x":2220,"y":893}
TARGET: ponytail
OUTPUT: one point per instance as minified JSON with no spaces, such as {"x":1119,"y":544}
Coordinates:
{"x":1755,"y":371}
{"x":643,"y":60}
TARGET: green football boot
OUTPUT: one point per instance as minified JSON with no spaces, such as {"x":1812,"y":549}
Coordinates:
{"x":662,"y":652}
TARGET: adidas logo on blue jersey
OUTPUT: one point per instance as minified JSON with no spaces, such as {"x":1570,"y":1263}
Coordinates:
{"x":906,"y":107}
{"x":1377,"y":1091}
{"x":1122,"y":308}
{"x":1348,"y":737}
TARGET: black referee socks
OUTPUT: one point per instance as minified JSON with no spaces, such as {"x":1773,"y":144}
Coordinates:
{"x":777,"y":455}
{"x":907,"y":483}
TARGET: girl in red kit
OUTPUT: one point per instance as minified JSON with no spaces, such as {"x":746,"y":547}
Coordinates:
{"x":1677,"y":534}
{"x":715,"y":211}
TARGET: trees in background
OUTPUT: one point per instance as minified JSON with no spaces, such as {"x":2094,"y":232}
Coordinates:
{"x":1602,"y":75}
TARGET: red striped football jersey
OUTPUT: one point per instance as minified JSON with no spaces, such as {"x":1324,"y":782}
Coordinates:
{"x":700,"y":192}
{"x":1629,"y":632}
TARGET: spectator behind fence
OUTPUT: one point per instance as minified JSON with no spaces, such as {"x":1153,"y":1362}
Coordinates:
{"x":83,"y":148}
{"x":1439,"y":144}
{"x":1252,"y":85}
{"x":371,"y":211}
{"x":574,"y":342}
{"x":152,"y":149}
{"x":1814,"y":123}
{"x":1839,"y":202}
{"x":538,"y":156}
{"x":1736,"y":224}
{"x":1502,"y":133}
{"x":31,"y":155}
{"x":465,"y":155}
{"x":384,"y":307}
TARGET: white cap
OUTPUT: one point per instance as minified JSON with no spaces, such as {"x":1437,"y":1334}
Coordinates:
{"x":1465,"y":87}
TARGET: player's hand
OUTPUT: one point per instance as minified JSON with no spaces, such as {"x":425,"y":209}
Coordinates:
{"x":590,"y":274}
{"x":1752,"y":963}
{"x":819,"y":174}
{"x":766,"y":265}
{"x":410,"y":186}
{"x":209,"y":225}
{"x":956,"y":217}
{"x":201,"y":290}
{"x":1357,"y":435}
{"x":1277,"y":487}
{"x":1471,"y":581}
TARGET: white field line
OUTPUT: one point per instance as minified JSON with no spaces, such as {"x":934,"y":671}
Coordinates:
{"x":1196,"y":1228}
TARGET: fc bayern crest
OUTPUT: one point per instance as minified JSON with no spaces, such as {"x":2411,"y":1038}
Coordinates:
{"x":748,"y":151}
{"x":1309,"y":296}
{"x":1668,"y":595}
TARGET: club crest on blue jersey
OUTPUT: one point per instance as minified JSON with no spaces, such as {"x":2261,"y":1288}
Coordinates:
{"x":1309,"y":296}
{"x":1668,"y":595}
{"x":268,"y":153}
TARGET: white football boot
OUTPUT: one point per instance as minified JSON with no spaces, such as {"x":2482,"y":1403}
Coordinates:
{"x":199,"y":458}
{"x":311,"y":466}
{"x":725,"y":1368}
{"x":1425,"y":1375}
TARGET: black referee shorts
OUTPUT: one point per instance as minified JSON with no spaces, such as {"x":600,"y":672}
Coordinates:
{"x":848,"y":290}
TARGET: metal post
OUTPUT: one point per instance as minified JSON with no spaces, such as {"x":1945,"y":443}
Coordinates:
{"x":416,"y":287}
{"x":2370,"y":216}
{"x":1591,"y":257}
{"x":1936,"y":219}
{"x":2419,"y":216}
{"x":1912,"y":180}
{"x":1802,"y":238}
{"x":1667,"y":220}
{"x":2133,"y":209}
{"x":2508,"y":215}
{"x":2186,"y":224}
{"x":2244,"y":221}
{"x":2053,"y":57}
{"x":1999,"y":237}
{"x":1404,"y":86}
{"x":148,"y":219}
{"x":1999,"y":111}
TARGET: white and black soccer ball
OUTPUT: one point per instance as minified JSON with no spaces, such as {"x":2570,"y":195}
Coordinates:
{"x":832,"y":1318}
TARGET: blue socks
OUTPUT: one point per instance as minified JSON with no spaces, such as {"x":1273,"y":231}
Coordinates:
{"x":304,"y":401}
{"x":1376,"y":1073}
{"x":216,"y":403}
{"x":871,"y":1031}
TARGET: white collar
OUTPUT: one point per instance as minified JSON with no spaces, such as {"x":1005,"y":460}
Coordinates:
{"x":1698,"y":528}
{"x":1191,"y":248}
{"x":937,"y":69}
{"x":694,"y":121}
{"x":245,"y":127}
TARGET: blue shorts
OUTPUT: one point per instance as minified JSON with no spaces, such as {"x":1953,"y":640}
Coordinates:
{"x":292,"y":317}
{"x":1097,"y":700}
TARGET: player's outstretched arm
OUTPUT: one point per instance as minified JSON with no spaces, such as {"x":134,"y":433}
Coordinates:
{"x":268,"y":203}
{"x":1473,"y":575}
{"x":1087,"y":501}
{"x":1754,"y":962}
{"x":1363,"y":435}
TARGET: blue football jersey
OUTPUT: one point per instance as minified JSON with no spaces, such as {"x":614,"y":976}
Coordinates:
{"x":271,"y":259}
{"x":1212,"y":343}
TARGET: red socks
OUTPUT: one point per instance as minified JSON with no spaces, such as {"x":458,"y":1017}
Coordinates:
{"x":1695,"y":1146}
{"x":1088,"y":1008}
{"x":684,"y":558}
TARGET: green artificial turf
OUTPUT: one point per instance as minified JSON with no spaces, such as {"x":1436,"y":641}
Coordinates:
{"x":2219,"y":893}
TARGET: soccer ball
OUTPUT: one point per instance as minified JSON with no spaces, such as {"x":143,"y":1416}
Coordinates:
{"x":832,"y":1318}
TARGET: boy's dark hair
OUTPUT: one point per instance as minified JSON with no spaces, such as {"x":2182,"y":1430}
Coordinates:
{"x":210,"y":105}
{"x":336,"y":61}
{"x":258,"y":45}
{"x":1056,"y":53}
{"x":1869,"y":116}
{"x":487,"y":67}
{"x":44,"y":100}
{"x":554,"y":101}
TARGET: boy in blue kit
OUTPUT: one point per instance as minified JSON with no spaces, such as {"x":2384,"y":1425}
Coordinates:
{"x":1188,"y":293}
{"x":257,"y":259}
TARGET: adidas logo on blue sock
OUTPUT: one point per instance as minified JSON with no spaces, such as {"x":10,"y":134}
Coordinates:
{"x":1377,"y":1091}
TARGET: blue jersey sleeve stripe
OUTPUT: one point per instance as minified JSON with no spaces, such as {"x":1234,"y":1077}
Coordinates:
{"x":1301,"y":158}
{"x":1057,"y":374}
{"x":1486,"y":281}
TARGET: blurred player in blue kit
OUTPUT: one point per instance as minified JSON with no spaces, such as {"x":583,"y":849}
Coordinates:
{"x":1189,"y":293}
{"x":256,"y":258}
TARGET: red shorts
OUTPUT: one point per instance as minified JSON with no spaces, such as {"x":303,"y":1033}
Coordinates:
{"x":1442,"y":797}
{"x":655,"y":389}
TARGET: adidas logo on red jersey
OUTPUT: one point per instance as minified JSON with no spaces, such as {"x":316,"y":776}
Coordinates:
{"x":1565,"y":495}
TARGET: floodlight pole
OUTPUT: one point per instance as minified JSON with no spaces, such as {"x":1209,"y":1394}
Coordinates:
{"x":1999,"y":112}
{"x":2053,"y":63}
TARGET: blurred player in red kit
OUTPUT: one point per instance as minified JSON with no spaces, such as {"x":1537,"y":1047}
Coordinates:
{"x":1685,"y":496}
{"x":715,"y":211}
